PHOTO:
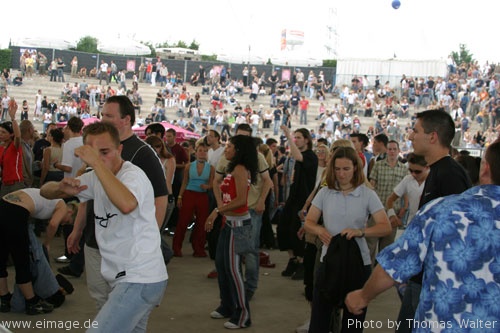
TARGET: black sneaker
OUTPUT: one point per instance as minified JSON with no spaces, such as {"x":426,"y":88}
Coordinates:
{"x":299,"y":272}
{"x":65,"y":284}
{"x":290,"y":268}
{"x":5,"y":302}
{"x":38,"y":307}
{"x":67,"y":271}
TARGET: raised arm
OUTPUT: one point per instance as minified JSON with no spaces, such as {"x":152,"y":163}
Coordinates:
{"x":15,"y":125}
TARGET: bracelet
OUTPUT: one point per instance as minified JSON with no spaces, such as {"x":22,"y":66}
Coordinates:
{"x":362,"y":233}
{"x":217,"y":210}
{"x":179,"y":197}
{"x":54,"y":165}
{"x":391,"y":212}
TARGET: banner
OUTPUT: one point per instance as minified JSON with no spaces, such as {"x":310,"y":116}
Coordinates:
{"x":283,"y":39}
{"x":130,"y":65}
{"x":285,"y":75}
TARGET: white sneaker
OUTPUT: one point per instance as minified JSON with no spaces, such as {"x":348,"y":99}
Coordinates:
{"x":303,"y":328}
{"x":231,"y":326}
{"x":216,"y":315}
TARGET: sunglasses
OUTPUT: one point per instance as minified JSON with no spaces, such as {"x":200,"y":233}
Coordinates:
{"x":417,"y":172}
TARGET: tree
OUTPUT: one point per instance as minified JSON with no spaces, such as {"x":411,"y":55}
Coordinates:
{"x":87,"y":44}
{"x":181,"y":44}
{"x":151,"y":47}
{"x":329,"y":63}
{"x":194,"y":45}
{"x":462,"y":56}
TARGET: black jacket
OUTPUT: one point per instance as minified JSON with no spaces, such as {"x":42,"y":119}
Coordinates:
{"x":343,"y":270}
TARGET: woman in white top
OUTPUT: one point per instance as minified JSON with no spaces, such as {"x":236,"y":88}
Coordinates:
{"x":74,"y":67}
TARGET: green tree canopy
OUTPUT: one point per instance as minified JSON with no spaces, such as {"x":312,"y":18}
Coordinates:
{"x":87,"y":44}
{"x":462,"y":56}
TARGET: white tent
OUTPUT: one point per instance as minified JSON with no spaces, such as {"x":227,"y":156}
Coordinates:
{"x":123,"y":46}
{"x":296,"y":61}
{"x":242,"y":58}
{"x":388,"y":70}
{"x":43,"y":42}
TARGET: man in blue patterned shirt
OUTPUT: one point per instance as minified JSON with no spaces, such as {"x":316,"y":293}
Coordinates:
{"x":456,"y":241}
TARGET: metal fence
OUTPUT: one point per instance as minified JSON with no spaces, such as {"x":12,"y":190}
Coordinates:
{"x":185,"y":67}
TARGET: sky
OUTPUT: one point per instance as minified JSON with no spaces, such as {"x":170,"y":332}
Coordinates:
{"x":419,"y":29}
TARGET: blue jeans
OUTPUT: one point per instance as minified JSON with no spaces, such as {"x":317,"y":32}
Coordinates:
{"x":252,"y":260}
{"x":277,"y":124}
{"x":44,"y":281}
{"x":409,"y":306}
{"x":60,"y":75}
{"x":303,"y":117}
{"x":233,"y":301}
{"x":128,"y":307}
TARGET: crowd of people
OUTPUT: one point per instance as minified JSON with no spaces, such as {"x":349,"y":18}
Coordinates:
{"x":357,"y":209}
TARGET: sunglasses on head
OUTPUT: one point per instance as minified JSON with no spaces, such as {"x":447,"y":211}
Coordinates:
{"x":417,"y":172}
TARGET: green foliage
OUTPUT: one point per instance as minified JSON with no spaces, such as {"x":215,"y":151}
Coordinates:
{"x":329,"y":63}
{"x":462,"y":56}
{"x":5,"y":58}
{"x":151,"y":47}
{"x":206,"y":57}
{"x":194,"y":45}
{"x":181,"y":44}
{"x":87,"y":44}
{"x":269,"y":62}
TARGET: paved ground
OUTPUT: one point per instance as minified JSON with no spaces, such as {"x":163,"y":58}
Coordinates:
{"x":278,"y":305}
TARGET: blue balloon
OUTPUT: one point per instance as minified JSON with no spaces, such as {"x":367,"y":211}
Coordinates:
{"x":396,"y":4}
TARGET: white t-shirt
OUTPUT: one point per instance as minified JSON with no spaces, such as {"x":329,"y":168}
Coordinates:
{"x":410,"y":187}
{"x":129,"y":243}
{"x":215,"y":155}
{"x":255,"y":119}
{"x":68,"y":155}
{"x":44,"y":208}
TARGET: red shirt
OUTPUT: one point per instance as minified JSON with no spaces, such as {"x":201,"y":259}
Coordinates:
{"x":11,"y":161}
{"x":304,"y":103}
{"x":228,"y":189}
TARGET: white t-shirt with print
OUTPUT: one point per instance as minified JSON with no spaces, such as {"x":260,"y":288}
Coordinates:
{"x":129,"y":243}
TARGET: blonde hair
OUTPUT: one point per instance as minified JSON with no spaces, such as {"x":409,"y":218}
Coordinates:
{"x":341,"y":143}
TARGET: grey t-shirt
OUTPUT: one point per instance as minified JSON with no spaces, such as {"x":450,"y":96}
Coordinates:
{"x":347,"y":211}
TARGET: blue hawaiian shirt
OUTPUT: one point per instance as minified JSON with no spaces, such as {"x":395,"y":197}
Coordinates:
{"x":456,"y":241}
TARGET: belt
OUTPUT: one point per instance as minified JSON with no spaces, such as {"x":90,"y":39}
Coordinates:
{"x":238,"y":223}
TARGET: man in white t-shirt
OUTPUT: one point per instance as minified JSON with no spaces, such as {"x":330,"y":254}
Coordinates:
{"x":125,"y":227}
{"x":103,"y":73}
{"x":255,"y":120}
{"x":216,"y":150}
{"x":70,"y":164}
{"x":410,"y":188}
